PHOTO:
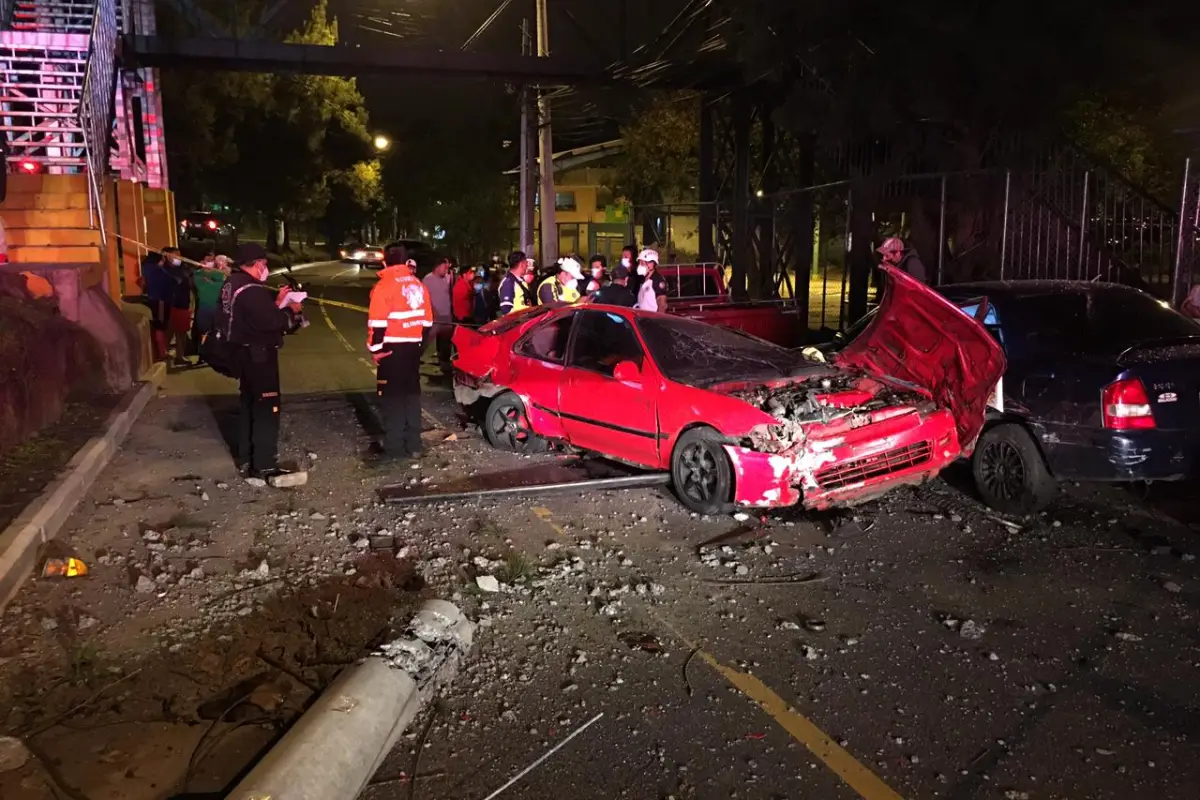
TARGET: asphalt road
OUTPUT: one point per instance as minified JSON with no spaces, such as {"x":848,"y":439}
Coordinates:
{"x":923,"y":648}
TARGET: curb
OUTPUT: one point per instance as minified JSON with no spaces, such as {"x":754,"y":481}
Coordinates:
{"x":335,"y":748}
{"x":44,"y":517}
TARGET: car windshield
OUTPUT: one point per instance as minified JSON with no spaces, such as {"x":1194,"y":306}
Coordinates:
{"x":697,"y":354}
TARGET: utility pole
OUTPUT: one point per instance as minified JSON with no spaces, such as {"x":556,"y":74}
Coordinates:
{"x":528,"y":148}
{"x":549,"y":228}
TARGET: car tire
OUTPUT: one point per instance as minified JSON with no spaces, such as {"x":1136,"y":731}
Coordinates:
{"x":506,"y":426}
{"x":1009,"y":472}
{"x":701,"y":474}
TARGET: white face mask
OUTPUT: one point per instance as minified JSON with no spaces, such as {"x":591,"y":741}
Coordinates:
{"x":642,"y":270}
{"x":175,"y":262}
{"x":625,"y":263}
{"x":597,"y":272}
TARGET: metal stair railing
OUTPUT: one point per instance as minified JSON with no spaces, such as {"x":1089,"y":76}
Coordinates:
{"x":96,"y":105}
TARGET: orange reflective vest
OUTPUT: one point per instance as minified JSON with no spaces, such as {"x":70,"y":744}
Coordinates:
{"x":400,"y":309}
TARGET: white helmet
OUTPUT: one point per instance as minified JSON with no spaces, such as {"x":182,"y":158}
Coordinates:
{"x":571,"y":266}
{"x":649,"y":256}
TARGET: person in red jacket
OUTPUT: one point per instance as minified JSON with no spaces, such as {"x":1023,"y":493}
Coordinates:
{"x":463,"y":295}
{"x":399,"y":313}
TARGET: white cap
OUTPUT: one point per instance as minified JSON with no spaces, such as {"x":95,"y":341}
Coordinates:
{"x":648,"y":255}
{"x":571,"y":266}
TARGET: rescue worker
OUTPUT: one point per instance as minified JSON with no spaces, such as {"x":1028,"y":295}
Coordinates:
{"x":618,"y":292}
{"x":559,"y":288}
{"x":207,"y":282}
{"x":257,"y":320}
{"x":514,"y":293}
{"x":599,"y":276}
{"x":893,"y":253}
{"x":653,"y":289}
{"x":399,"y":315}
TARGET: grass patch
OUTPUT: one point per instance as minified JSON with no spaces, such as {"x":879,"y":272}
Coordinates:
{"x":517,"y":569}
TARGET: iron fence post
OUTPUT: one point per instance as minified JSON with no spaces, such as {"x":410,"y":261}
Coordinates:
{"x":1184,"y":229}
{"x":941,"y":234}
{"x":1004,"y":225}
{"x":1083,"y":219}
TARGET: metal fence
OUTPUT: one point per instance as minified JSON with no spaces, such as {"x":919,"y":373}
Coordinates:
{"x":1062,"y":219}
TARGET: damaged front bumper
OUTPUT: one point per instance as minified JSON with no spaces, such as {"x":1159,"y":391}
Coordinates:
{"x":846,"y":469}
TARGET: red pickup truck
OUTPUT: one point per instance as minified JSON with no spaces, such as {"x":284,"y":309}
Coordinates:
{"x":698,"y":291}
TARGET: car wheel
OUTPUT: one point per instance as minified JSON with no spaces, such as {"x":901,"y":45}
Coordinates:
{"x":701,"y":473}
{"x":506,"y":426}
{"x":1010,"y":474}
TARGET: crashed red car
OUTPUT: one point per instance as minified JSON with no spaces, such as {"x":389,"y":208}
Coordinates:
{"x":737,"y":420}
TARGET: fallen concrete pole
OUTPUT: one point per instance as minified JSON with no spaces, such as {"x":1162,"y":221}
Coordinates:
{"x":337,"y":745}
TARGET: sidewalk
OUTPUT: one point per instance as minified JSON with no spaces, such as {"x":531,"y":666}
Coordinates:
{"x":200,"y":585}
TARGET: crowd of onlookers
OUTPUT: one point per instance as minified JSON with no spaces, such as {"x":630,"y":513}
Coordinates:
{"x":183,"y":298}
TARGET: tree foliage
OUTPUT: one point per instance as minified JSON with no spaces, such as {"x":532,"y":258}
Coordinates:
{"x":661,"y":156}
{"x":295,"y":148}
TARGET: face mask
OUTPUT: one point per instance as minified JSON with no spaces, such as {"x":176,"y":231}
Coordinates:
{"x":625,"y":263}
{"x":642,"y":269}
{"x":175,"y":262}
{"x":479,"y":287}
{"x":597,"y":272}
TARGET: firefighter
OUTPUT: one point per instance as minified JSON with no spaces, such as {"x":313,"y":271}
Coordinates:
{"x":514,"y":290}
{"x":559,"y":288}
{"x":652,"y":291}
{"x":257,"y":320}
{"x":397,"y":320}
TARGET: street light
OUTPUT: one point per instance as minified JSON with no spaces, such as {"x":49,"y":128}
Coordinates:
{"x":382,"y":142}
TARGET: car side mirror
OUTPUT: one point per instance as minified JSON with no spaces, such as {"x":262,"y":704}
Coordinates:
{"x":627,"y":372}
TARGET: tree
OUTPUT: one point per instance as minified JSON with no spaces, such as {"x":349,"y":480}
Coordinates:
{"x":661,"y":157}
{"x":282,"y":146}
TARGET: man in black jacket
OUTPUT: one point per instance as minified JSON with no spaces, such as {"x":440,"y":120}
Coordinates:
{"x":257,"y":319}
{"x":618,"y":292}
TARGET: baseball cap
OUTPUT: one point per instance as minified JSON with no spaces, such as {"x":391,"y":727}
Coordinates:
{"x":648,"y":255}
{"x":571,"y":266}
{"x":248,"y":253}
{"x":620,"y":271}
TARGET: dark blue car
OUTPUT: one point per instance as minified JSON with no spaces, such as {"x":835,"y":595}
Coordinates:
{"x":1103,"y":384}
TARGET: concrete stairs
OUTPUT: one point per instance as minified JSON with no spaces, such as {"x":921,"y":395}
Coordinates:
{"x":46,"y":220}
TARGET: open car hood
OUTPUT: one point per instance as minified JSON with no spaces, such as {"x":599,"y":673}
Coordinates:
{"x":920,"y":337}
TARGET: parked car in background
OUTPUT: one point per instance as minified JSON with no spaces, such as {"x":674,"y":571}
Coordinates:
{"x":698,"y":291}
{"x":364,"y":255}
{"x":205,"y":225}
{"x":734,"y":419}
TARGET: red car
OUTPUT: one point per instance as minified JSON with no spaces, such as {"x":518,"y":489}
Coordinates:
{"x":737,"y":420}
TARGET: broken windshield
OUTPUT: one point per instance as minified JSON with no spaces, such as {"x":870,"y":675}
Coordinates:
{"x":697,"y":354}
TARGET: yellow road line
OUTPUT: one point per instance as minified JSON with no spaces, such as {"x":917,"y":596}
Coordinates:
{"x":370,"y":365}
{"x":339,"y":304}
{"x":543,"y":514}
{"x":853,"y":772}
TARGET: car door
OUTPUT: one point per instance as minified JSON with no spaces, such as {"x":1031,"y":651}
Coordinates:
{"x":537,"y":366}
{"x":1046,"y":380}
{"x":614,"y":417}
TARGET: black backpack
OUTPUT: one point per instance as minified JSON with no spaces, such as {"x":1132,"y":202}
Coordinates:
{"x":216,"y":349}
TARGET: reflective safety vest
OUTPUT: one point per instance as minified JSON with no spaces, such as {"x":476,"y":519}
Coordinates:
{"x":514,"y":294}
{"x":563,"y":293}
{"x":400,"y":309}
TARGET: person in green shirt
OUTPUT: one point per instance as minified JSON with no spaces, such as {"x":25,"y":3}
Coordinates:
{"x":208,"y":281}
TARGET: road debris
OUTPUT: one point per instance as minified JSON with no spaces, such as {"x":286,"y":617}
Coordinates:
{"x":488,"y":583}
{"x":64,"y":568}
